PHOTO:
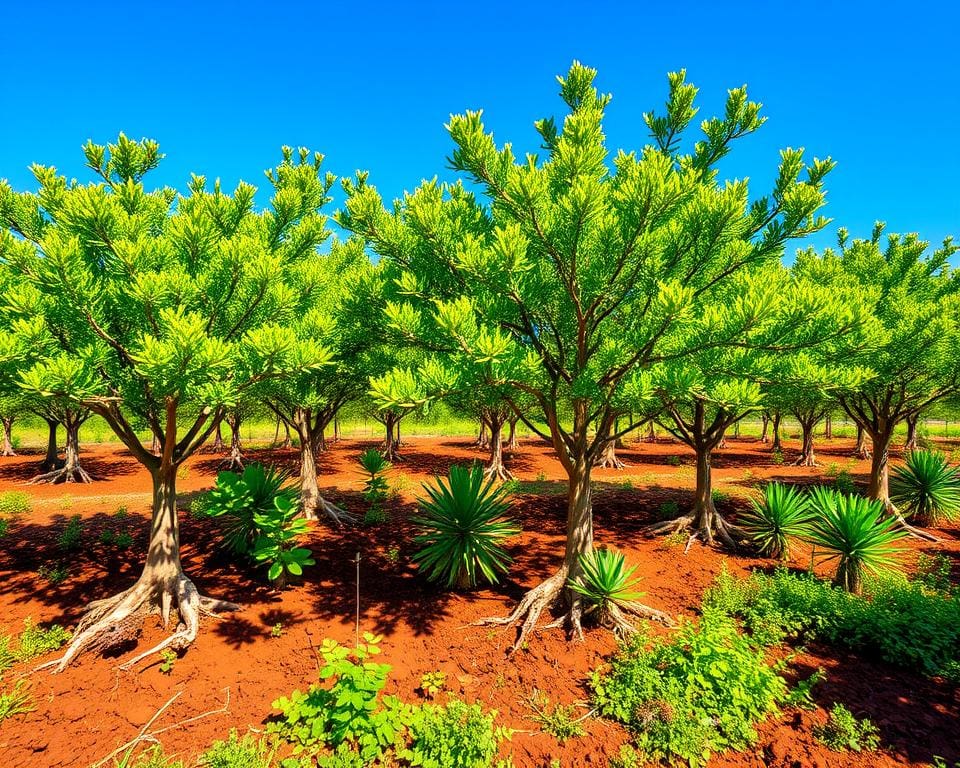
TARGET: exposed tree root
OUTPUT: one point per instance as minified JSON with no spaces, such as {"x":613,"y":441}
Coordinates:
{"x":75,"y":474}
{"x":331,"y":511}
{"x":233,"y":463}
{"x":805,"y":460}
{"x":699,"y":528}
{"x":912,"y":530}
{"x":107,"y":622}
{"x":551,"y":591}
{"x":498,"y":472}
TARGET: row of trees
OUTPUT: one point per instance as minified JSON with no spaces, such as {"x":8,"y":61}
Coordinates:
{"x":580,"y":294}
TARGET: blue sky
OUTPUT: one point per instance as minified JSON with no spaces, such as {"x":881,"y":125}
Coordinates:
{"x":222,"y":86}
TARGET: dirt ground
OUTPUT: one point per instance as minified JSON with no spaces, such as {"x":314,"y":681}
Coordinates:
{"x":85,"y":713}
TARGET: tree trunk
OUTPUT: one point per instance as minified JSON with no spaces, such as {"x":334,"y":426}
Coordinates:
{"x":911,"y":444}
{"x":608,"y":458}
{"x":777,"y":446}
{"x":736,"y":429}
{"x":391,"y":423}
{"x":235,"y":460}
{"x":52,"y":460}
{"x":807,"y":456}
{"x":512,"y":434}
{"x":336,"y":429}
{"x":704,"y":511}
{"x":828,"y":427}
{"x":861,"y":451}
{"x":218,"y":439}
{"x":765,"y":420}
{"x":70,"y":471}
{"x":287,"y":442}
{"x":553,"y":590}
{"x":8,"y":437}
{"x":878,"y":487}
{"x":312,"y":504}
{"x":495,"y":467}
{"x":483,"y":442}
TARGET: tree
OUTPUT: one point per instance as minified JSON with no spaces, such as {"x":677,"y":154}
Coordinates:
{"x":164,"y":307}
{"x":915,"y":300}
{"x":338,"y":287}
{"x":577,"y":271}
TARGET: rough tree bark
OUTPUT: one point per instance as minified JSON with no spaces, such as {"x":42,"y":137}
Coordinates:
{"x":776,"y":446}
{"x":51,"y":460}
{"x":234,"y":461}
{"x":861,"y":451}
{"x":70,"y":471}
{"x":828,"y":427}
{"x":608,"y":458}
{"x":308,"y":427}
{"x":911,"y":444}
{"x":8,"y":437}
{"x":163,"y":587}
{"x":765,"y":421}
{"x":391,"y":442}
{"x":512,"y":444}
{"x":483,"y":440}
{"x":495,"y":466}
{"x":807,"y":456}
{"x":218,"y":439}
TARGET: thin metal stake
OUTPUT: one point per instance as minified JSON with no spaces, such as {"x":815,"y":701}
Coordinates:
{"x":357,"y":631}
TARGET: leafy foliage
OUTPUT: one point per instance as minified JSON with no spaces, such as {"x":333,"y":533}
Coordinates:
{"x":70,"y":536}
{"x":695,"y":694}
{"x":899,"y":622}
{"x":783,"y":514}
{"x":277,"y":532}
{"x":462,"y":526}
{"x":14,"y":503}
{"x":844,"y":731}
{"x":16,"y":701}
{"x":457,"y":735}
{"x":237,"y":752}
{"x":238,"y":499}
{"x":605,"y":580}
{"x":857,"y":533}
{"x":559,"y":721}
{"x":926,"y":488}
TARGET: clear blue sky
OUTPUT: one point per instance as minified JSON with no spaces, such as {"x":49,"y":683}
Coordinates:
{"x":223,"y":85}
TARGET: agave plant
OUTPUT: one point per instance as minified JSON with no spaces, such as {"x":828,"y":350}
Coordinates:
{"x":375,"y":487}
{"x":857,"y":533}
{"x":240,"y":498}
{"x":606,"y":582}
{"x":926,"y":488}
{"x":463,"y":523}
{"x":782,"y":515}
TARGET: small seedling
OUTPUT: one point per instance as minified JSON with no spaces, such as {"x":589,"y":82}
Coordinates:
{"x":673,"y":461}
{"x":121,"y":512}
{"x":559,"y":721}
{"x":16,"y":702}
{"x":277,"y":629}
{"x":169,"y":658}
{"x":56,"y":574}
{"x":432,"y":684}
{"x":777,"y":457}
{"x":393,"y":555}
{"x":844,"y":731}
{"x":69,"y":539}
{"x":541,"y":477}
{"x":668,"y":510}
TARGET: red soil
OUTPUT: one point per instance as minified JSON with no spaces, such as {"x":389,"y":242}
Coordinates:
{"x":85,"y":713}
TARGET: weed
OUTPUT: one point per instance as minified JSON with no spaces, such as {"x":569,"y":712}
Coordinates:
{"x":673,"y":461}
{"x":168,"y":659}
{"x":668,"y":510}
{"x":627,"y":758}
{"x":55,"y":574}
{"x":65,"y":502}
{"x":541,"y":477}
{"x":720,"y":497}
{"x":277,"y":630}
{"x":375,"y":516}
{"x":16,"y":701}
{"x":933,"y":571}
{"x":777,"y":457}
{"x":433,"y":683}
{"x":14,"y":503}
{"x":236,"y":752}
{"x":4,"y":527}
{"x":559,"y":721}
{"x":393,"y":555}
{"x":843,"y":731}
{"x":69,"y":539}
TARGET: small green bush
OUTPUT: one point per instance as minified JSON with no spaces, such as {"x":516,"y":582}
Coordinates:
{"x":14,"y":503}
{"x":780,"y":517}
{"x":933,"y":572}
{"x":458,"y":735}
{"x":70,"y":538}
{"x":897,"y":621}
{"x":561,"y":722}
{"x":376,"y":489}
{"x":698,"y":693}
{"x":668,"y":510}
{"x":926,"y":488}
{"x":843,"y":731}
{"x":236,"y":752}
{"x":16,"y":701}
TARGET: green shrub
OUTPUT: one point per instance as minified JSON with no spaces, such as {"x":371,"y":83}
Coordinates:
{"x":275,"y":545}
{"x":897,"y":621}
{"x":668,"y":510}
{"x":781,"y":516}
{"x":236,"y":752}
{"x":238,"y":499}
{"x":843,"y":731}
{"x":462,"y":526}
{"x":36,"y":641}
{"x":557,"y":720}
{"x":628,"y":757}
{"x":843,"y":482}
{"x":857,"y":533}
{"x":376,"y":490}
{"x":16,"y":701}
{"x":14,"y":503}
{"x":697,"y":693}
{"x":933,"y":572}
{"x":458,"y":735}
{"x":350,"y":712}
{"x":606,"y":582}
{"x":926,"y":488}
{"x":69,"y":538}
